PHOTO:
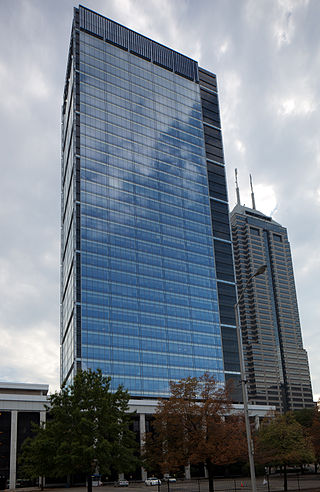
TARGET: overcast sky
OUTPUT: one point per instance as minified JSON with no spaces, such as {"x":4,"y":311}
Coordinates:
{"x":266,"y":55}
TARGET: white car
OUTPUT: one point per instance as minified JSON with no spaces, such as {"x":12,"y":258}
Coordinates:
{"x":152,"y":481}
{"x":167,"y":478}
{"x":122,"y":482}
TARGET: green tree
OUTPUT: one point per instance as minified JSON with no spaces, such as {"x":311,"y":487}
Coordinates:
{"x":195,"y":425}
{"x":87,"y":430}
{"x":309,"y":418}
{"x":37,"y":453}
{"x":281,"y":441}
{"x":304,"y":416}
{"x":315,"y":436}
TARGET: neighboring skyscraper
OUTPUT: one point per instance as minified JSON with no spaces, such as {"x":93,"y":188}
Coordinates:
{"x":276,"y":362}
{"x":147,"y":284}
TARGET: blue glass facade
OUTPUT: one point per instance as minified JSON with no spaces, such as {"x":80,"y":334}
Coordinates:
{"x":139,"y":289}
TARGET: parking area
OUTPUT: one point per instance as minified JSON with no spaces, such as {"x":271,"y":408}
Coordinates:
{"x":274,"y":484}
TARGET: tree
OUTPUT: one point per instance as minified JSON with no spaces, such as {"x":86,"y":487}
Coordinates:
{"x":87,"y":430}
{"x":195,"y":425}
{"x":37,"y":453}
{"x":315,"y":436}
{"x":304,"y":416}
{"x":282,"y":441}
{"x":309,"y":418}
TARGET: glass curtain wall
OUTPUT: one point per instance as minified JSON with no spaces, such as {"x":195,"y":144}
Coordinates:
{"x":147,"y":307}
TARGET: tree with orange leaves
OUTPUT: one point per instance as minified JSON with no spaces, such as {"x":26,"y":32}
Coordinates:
{"x":196,"y":424}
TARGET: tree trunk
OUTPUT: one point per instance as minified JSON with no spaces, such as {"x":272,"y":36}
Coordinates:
{"x":285,"y":478}
{"x":68,"y":484}
{"x":89,"y":489}
{"x":210,"y":475}
{"x":315,"y":468}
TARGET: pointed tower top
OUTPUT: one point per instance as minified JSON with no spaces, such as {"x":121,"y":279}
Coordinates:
{"x":252,"y":194}
{"x":237,"y":186}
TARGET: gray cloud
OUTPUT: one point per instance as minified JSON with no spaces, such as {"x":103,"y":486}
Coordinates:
{"x":266,"y":55}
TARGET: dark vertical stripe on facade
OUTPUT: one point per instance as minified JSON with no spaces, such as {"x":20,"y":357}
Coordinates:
{"x":220,"y":227}
{"x":275,"y":312}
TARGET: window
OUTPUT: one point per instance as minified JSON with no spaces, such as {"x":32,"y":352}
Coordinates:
{"x":254,"y":231}
{"x":277,"y":237}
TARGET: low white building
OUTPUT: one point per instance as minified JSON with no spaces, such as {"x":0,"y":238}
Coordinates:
{"x":20,"y":405}
{"x":24,"y":403}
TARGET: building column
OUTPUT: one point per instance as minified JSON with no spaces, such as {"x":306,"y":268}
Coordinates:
{"x":13,"y":450}
{"x":142,"y":428}
{"x":43,"y":417}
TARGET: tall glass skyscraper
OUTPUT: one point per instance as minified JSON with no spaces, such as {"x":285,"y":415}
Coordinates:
{"x":276,"y":363}
{"x":147,"y":284}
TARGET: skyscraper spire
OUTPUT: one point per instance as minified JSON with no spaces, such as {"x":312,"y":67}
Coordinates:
{"x":237,"y":186}
{"x":252,"y":194}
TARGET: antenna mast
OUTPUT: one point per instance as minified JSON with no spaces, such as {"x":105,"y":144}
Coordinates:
{"x":237,"y":186}
{"x":252,"y":194}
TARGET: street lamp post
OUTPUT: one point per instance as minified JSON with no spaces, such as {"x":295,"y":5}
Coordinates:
{"x":260,"y":271}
